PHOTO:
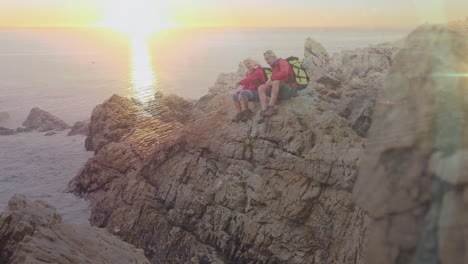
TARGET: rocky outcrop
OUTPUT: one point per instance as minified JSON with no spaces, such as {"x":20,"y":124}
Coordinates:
{"x":110,"y":121}
{"x":6,"y":131}
{"x":32,"y":232}
{"x":119,"y":119}
{"x":43,"y":121}
{"x":350,"y":82}
{"x":361,"y":63}
{"x":316,"y":58}
{"x":79,"y":128}
{"x":413,"y":176}
{"x":212,"y":191}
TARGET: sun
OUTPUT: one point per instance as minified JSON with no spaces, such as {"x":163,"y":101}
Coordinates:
{"x":136,"y":17}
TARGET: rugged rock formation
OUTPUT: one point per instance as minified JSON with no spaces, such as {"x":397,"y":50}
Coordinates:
{"x":212,"y":191}
{"x":43,"y":121}
{"x":6,"y":131}
{"x":32,"y":232}
{"x":79,"y":128}
{"x":413,"y":178}
{"x":119,"y":119}
{"x":316,"y":58}
{"x":349,"y":82}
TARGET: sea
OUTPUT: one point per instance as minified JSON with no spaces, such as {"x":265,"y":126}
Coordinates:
{"x":68,"y":71}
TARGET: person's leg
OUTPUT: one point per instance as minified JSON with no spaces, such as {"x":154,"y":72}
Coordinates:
{"x":263,"y":97}
{"x":237,"y":105}
{"x":274,"y":92}
{"x":244,"y":97}
{"x":245,"y":102}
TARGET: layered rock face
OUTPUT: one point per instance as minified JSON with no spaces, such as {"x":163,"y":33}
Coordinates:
{"x":206,"y":190}
{"x":413,"y":177}
{"x":43,"y":121}
{"x":32,"y":233}
{"x":349,"y":82}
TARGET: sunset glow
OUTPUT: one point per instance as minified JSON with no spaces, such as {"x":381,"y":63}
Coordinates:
{"x":143,"y":78}
{"x":143,"y":16}
{"x":136,"y":18}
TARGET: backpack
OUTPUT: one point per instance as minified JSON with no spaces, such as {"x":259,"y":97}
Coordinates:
{"x":267,"y":73}
{"x":299,"y":69}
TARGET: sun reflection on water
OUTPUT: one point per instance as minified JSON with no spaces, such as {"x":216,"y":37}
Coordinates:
{"x":143,"y":77}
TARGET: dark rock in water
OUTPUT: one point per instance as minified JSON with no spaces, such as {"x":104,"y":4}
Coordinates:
{"x":43,"y":121}
{"x":414,"y":173}
{"x":80,"y":128}
{"x":6,"y":131}
{"x":50,"y":133}
{"x":4,"y":116}
{"x":32,"y":232}
{"x":24,"y":129}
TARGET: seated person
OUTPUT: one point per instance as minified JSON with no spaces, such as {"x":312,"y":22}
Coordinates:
{"x":283,"y":82}
{"x":249,"y":92}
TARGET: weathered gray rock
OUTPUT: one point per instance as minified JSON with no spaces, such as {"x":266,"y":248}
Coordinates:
{"x":119,"y":118}
{"x":32,"y":232}
{"x":79,"y":128}
{"x":361,"y":63}
{"x":43,"y":121}
{"x":316,"y":58}
{"x":110,"y":121}
{"x":350,"y":82}
{"x":212,"y":191}
{"x":6,"y":131}
{"x":412,"y":179}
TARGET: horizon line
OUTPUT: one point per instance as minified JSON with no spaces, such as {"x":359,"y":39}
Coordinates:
{"x":214,"y":27}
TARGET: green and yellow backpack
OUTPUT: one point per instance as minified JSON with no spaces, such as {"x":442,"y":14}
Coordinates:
{"x":299,"y":69}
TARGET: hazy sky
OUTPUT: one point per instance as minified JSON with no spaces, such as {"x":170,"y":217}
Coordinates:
{"x":320,"y":13}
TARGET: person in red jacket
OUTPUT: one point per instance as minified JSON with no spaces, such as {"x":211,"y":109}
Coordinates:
{"x":282,"y":81}
{"x":254,"y":78}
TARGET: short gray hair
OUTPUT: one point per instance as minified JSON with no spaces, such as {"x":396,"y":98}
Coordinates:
{"x":269,"y":53}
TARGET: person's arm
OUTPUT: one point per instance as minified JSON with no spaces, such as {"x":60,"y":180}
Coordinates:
{"x":283,"y":72}
{"x":254,"y":76}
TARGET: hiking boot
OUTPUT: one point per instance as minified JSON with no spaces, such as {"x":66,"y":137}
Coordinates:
{"x":271,"y":110}
{"x":246,"y":115}
{"x":237,"y":118}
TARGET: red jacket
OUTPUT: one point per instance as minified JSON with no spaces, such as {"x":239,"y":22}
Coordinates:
{"x":254,"y":79}
{"x":282,"y":71}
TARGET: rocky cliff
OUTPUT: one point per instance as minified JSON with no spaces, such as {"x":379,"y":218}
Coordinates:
{"x":196,"y":188}
{"x":32,"y":233}
{"x":43,"y":121}
{"x":414,"y":175}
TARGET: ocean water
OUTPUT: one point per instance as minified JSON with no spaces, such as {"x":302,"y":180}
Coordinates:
{"x":69,"y":71}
